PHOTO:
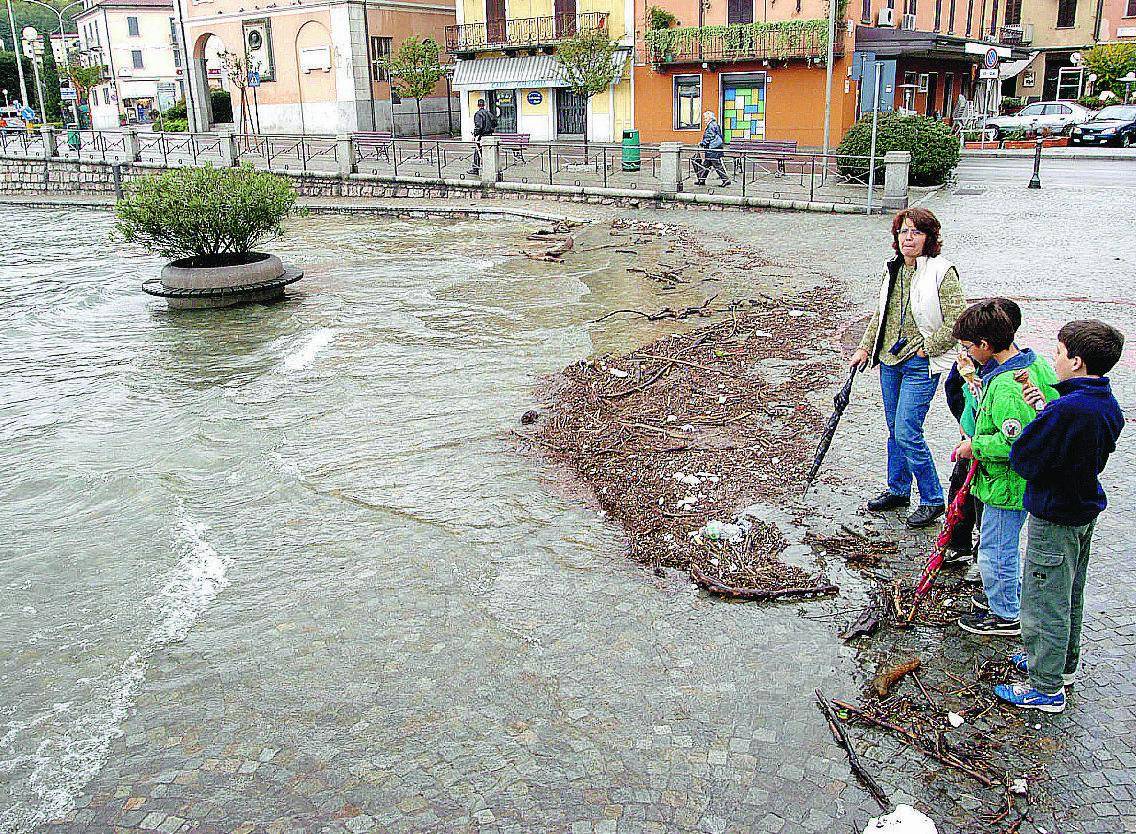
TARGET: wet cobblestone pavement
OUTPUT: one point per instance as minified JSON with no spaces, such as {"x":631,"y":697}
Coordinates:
{"x":514,"y":689}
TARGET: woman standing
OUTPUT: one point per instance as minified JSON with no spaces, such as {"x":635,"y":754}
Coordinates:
{"x":909,"y":337}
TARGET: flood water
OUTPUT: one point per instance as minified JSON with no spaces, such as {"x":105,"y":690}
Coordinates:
{"x":302,"y":529}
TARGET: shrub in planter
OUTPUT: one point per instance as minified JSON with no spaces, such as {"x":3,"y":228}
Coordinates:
{"x":209,"y":216}
{"x":170,"y":125}
{"x":934,"y":148}
{"x":222,"y":104}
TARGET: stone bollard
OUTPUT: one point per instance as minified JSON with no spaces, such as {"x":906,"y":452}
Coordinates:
{"x":132,"y":149}
{"x":50,"y":142}
{"x":897,"y":171}
{"x":669,"y":167}
{"x":490,"y":160}
{"x":345,"y":155}
{"x":227,"y":148}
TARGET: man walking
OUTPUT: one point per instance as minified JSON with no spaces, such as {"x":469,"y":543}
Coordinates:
{"x":712,"y":143}
{"x":483,"y":125}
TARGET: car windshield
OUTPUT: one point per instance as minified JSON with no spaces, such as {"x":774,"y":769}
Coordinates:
{"x":1118,"y":112}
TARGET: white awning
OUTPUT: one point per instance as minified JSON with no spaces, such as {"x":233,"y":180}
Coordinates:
{"x":1012,"y":69}
{"x":511,"y":73}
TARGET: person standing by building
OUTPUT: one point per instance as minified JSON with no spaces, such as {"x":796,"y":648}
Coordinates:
{"x":484,"y":123}
{"x":712,"y":143}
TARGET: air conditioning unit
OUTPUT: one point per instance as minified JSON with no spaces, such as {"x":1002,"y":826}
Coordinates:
{"x":908,"y":22}
{"x":124,"y":72}
{"x":1027,"y":33}
{"x":886,"y":17}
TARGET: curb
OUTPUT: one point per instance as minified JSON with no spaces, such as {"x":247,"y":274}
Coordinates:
{"x":1050,"y":153}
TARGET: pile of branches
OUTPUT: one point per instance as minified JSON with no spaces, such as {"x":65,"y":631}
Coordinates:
{"x":687,"y":430}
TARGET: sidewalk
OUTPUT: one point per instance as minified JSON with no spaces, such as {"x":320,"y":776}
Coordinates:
{"x":1055,"y":153}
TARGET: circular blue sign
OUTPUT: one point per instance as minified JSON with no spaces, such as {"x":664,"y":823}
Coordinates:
{"x":991,"y":58}
{"x":535,"y":97}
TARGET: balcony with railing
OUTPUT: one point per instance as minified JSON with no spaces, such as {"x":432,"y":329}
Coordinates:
{"x":520,"y":33}
{"x":740,"y":42}
{"x":1011,"y":35}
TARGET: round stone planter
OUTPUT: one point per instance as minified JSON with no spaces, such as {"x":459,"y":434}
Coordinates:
{"x":257,"y":277}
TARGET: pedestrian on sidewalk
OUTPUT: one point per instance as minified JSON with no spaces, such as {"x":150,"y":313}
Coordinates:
{"x":484,"y":123}
{"x":987,"y":333}
{"x":711,"y":159}
{"x":910,"y":338}
{"x":1060,"y":455}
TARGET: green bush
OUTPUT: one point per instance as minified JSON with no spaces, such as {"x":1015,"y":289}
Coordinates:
{"x":1110,"y":62}
{"x":1010,"y":105}
{"x":934,"y":148}
{"x":222,"y":104}
{"x":210,"y":215}
{"x":659,"y":18}
{"x":176,"y":111}
{"x":170,"y":125}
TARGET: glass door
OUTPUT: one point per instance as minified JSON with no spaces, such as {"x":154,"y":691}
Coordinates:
{"x":503,"y":105}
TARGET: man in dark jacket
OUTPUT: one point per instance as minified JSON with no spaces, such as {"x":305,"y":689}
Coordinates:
{"x":483,"y":125}
{"x":713,"y":143}
{"x":1060,"y":454}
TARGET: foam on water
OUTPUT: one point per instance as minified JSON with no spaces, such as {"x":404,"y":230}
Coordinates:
{"x":70,"y":757}
{"x":306,"y":355}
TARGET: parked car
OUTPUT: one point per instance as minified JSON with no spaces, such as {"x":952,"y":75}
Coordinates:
{"x":1115,"y":123}
{"x":1052,"y":116}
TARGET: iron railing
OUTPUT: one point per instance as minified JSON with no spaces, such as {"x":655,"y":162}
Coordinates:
{"x":101,"y":145}
{"x":596,"y":165}
{"x":281,"y":152}
{"x":521,"y":32}
{"x":742,"y":43}
{"x":179,"y":148}
{"x":16,"y":142}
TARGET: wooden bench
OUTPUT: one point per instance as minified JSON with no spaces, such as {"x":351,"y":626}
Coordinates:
{"x":381,"y":141}
{"x":514,"y":143}
{"x":770,"y":146}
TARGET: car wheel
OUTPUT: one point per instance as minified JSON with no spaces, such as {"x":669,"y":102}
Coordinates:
{"x":1126,"y":140}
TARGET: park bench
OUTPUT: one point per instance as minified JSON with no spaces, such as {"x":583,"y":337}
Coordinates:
{"x":515,"y":143}
{"x":379,"y":141}
{"x":763,"y":146}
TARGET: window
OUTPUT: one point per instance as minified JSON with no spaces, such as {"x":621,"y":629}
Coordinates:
{"x":1032,"y":110}
{"x":866,"y":11}
{"x":994,"y":18}
{"x":739,"y":11}
{"x":969,"y":15}
{"x":951,"y":18}
{"x":1013,"y":12}
{"x":132,"y":26}
{"x":380,"y":51}
{"x":688,"y":102}
{"x":924,"y":81}
{"x":136,"y":57}
{"x":1066,"y":14}
{"x":938,"y":15}
{"x":1131,"y":10}
{"x":106,"y":95}
{"x":1057,"y":110}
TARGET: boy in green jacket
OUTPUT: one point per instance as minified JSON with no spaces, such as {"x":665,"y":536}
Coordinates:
{"x":987,"y":332}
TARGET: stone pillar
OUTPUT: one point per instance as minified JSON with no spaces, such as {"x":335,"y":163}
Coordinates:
{"x":50,"y":142}
{"x":897,"y":170}
{"x":227,"y":145}
{"x":345,"y":154}
{"x":490,"y":159}
{"x":669,"y":167}
{"x":130,"y":144}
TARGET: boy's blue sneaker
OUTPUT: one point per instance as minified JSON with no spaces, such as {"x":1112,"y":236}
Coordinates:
{"x":1026,"y":697}
{"x":1021,"y":663}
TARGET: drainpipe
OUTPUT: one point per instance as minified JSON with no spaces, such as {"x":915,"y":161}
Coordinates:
{"x":1097,"y":21}
{"x":370,"y":65}
{"x":113,"y":71}
{"x":187,"y":62}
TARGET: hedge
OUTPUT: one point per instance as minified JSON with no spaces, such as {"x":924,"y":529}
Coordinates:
{"x":934,"y":148}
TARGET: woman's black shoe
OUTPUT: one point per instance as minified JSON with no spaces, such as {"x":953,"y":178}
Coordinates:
{"x":888,"y":501}
{"x":925,"y":515}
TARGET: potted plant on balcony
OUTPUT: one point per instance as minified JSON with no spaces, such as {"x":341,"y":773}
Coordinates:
{"x":209,"y":221}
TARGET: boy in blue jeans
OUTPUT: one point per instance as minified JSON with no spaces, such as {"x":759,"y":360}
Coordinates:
{"x":1060,"y":454}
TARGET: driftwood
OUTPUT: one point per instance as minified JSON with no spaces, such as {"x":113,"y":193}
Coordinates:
{"x":704,"y":309}
{"x":918,"y":744}
{"x":888,"y":678}
{"x":841,"y":736}
{"x":755,"y":594}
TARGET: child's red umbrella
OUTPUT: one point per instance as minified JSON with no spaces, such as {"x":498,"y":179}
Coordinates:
{"x":950,"y":521}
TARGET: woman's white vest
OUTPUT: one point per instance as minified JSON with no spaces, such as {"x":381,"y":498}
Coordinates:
{"x":925,"y":307}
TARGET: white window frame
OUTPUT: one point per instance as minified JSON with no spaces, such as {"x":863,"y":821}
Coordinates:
{"x":675,"y":99}
{"x":135,"y":31}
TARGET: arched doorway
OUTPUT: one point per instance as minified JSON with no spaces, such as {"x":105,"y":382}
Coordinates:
{"x":208,"y":76}
{"x":315,"y":82}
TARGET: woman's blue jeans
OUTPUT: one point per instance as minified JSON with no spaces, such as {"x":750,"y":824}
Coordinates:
{"x":907,"y":394}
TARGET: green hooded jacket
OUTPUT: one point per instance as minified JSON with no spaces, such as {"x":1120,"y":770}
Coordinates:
{"x":1002,"y":414}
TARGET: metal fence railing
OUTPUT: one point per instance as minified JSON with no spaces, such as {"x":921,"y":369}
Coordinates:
{"x":595,"y":165}
{"x":794,"y":176}
{"x":279,"y":152}
{"x":14,"y":142}
{"x":178,"y":149}
{"x":100,"y":145}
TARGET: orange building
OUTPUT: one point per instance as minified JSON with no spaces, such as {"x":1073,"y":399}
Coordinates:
{"x":760,"y":66}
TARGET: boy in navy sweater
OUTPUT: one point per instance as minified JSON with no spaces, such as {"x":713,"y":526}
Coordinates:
{"x":1060,"y":454}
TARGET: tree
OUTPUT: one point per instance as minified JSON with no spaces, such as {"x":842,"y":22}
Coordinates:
{"x":51,"y":98}
{"x":1111,"y":61}
{"x":415,"y":71}
{"x":9,"y":78}
{"x":237,"y":69}
{"x":84,"y":79}
{"x":588,"y":62}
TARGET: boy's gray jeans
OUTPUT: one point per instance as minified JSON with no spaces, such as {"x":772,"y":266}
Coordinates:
{"x":1053,"y":599}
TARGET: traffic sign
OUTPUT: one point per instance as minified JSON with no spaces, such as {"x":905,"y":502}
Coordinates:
{"x":68,"y":94}
{"x":985,"y":74}
{"x":535,"y":97}
{"x":27,"y":114}
{"x":253,"y":78}
{"x":990,"y":59}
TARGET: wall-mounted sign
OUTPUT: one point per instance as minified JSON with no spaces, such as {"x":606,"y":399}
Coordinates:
{"x":1029,"y":79}
{"x":258,"y":47}
{"x":315,"y":59}
{"x":535,"y":97}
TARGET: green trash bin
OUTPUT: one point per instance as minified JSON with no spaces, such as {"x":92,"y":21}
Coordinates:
{"x":630,"y":150}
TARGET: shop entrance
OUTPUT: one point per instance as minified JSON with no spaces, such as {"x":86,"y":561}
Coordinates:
{"x":570,"y":111}
{"x":503,"y":104}
{"x":743,"y":106}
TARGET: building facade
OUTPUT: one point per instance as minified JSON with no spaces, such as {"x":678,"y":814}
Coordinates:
{"x":504,"y":52}
{"x":144,"y":69}
{"x":319,"y":61}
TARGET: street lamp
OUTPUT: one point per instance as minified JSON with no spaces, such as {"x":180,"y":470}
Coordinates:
{"x":29,"y":36}
{"x":1128,"y":80}
{"x":16,"y":49}
{"x":63,"y":34}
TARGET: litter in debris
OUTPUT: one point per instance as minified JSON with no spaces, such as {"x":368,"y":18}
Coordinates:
{"x":903,"y":820}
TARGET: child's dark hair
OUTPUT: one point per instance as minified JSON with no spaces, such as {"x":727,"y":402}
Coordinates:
{"x":1098,"y":344}
{"x":991,"y":321}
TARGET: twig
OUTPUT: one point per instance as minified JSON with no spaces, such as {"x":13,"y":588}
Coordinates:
{"x":841,"y":737}
{"x":757,"y":594}
{"x":679,"y":362}
{"x":919,"y":683}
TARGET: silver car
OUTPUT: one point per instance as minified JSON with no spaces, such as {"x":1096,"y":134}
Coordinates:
{"x":1052,"y":116}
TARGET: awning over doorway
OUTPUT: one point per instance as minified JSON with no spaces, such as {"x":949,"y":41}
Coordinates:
{"x":1012,"y":69}
{"x":890,"y":43}
{"x":510,"y":73}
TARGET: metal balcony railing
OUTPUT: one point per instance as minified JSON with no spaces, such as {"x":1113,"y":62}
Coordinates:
{"x":520,"y":33}
{"x":743,"y":44}
{"x":1011,"y":35}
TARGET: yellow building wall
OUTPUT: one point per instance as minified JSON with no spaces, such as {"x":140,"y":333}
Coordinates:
{"x":474,"y":11}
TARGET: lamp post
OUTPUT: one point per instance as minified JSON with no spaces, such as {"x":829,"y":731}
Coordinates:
{"x":30,"y":41}
{"x":875,"y":129}
{"x":828,"y":74}
{"x":16,"y":49}
{"x":63,"y":34}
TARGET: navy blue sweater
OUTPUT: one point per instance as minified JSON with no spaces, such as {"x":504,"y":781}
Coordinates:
{"x":1061,"y":452}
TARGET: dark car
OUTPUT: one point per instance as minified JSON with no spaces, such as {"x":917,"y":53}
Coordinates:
{"x":1115,"y":124}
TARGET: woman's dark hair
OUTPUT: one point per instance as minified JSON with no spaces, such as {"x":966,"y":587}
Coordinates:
{"x":987,"y":321}
{"x":1098,"y":344}
{"x":924,"y":221}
